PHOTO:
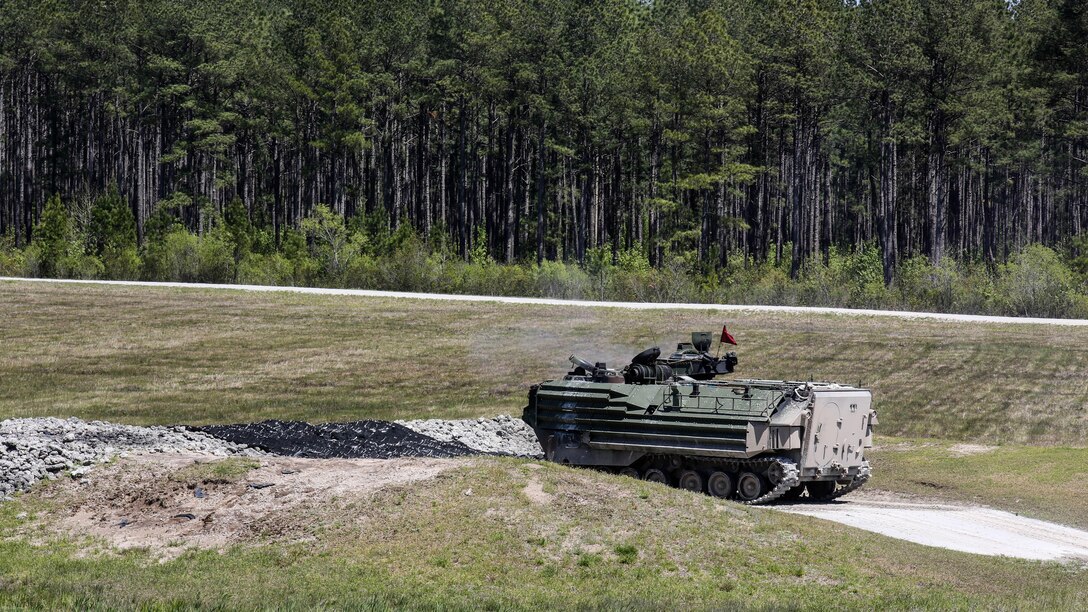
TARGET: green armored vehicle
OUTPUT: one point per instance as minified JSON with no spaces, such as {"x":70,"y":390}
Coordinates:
{"x":665,"y":419}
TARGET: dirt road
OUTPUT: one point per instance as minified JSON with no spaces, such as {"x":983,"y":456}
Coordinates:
{"x":972,"y":529}
{"x":933,"y":316}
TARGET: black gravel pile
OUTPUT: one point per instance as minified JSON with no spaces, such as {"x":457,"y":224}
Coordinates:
{"x":352,"y":440}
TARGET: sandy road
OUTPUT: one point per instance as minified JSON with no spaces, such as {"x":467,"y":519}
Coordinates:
{"x":972,"y":529}
{"x":933,"y":316}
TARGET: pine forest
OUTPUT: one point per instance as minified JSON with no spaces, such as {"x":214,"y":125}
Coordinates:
{"x":924,"y":154}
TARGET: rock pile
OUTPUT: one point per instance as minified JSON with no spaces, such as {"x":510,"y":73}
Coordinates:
{"x":502,"y":435}
{"x":33,"y":449}
{"x":37,"y":448}
{"x":342,"y":440}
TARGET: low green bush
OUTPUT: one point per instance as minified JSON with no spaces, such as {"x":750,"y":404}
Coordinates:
{"x":1035,"y":282}
{"x":79,"y":265}
{"x":173,"y":258}
{"x":122,"y":264}
{"x":274,"y":269}
{"x":12,"y":260}
{"x":215,"y":257}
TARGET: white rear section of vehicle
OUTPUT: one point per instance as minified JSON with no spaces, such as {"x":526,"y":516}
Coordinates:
{"x":839,"y":430}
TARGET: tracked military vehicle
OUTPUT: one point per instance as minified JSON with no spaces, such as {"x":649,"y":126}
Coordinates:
{"x":666,"y":419}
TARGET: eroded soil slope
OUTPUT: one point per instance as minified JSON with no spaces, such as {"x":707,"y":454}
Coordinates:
{"x":171,"y":502}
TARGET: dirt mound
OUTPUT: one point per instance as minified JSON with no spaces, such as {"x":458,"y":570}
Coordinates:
{"x":351,"y":440}
{"x":501,"y":435}
{"x":36,"y":448}
{"x":169,"y":503}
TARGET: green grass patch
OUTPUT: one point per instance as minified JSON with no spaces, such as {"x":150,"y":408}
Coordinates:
{"x":222,"y":471}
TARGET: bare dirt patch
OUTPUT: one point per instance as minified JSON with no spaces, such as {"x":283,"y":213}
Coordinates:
{"x":905,"y":446}
{"x":964,"y":450}
{"x":534,"y":490}
{"x":169,"y":503}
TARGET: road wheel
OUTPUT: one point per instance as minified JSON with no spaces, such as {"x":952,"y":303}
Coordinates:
{"x":655,"y":475}
{"x":774,"y":473}
{"x":630,"y":472}
{"x":749,"y":486}
{"x":719,"y":485}
{"x":690,"y":480}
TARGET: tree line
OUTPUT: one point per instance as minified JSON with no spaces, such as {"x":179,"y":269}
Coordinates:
{"x":98,"y":240}
{"x":692,"y":133}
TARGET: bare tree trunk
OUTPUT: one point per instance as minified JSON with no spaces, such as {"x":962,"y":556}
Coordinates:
{"x":886,"y":210}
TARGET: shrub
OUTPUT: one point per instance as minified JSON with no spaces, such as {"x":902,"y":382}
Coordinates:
{"x":363,"y":272}
{"x":915,"y":281}
{"x":490,"y":278}
{"x":239,"y":232}
{"x":79,"y":265}
{"x":670,"y":283}
{"x":121,"y":264}
{"x":863,"y":273}
{"x":12,"y":260}
{"x":274,"y":269}
{"x":112,"y":228}
{"x":52,"y":238}
{"x":950,"y":287}
{"x":628,"y":285}
{"x":1036,"y":282}
{"x":97,"y":238}
{"x":215,"y":257}
{"x":173,"y":258}
{"x":32,"y":261}
{"x":973,"y":291}
{"x":768,"y":284}
{"x":830,"y":284}
{"x":408,"y":267}
{"x":330,"y":241}
{"x":555,"y":279}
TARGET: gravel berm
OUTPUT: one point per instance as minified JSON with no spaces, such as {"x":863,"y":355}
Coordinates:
{"x":350,"y":440}
{"x":502,"y":435}
{"x":37,"y":448}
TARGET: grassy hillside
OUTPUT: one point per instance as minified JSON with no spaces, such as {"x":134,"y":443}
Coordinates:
{"x":503,"y":533}
{"x":144,"y":355}
{"x":1041,"y":482}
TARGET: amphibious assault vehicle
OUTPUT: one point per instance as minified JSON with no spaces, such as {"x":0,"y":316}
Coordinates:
{"x":665,"y":419}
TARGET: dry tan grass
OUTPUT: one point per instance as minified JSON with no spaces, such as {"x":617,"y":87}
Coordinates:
{"x":149,"y":355}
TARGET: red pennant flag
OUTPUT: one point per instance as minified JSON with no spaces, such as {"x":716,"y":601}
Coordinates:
{"x":727,"y":338}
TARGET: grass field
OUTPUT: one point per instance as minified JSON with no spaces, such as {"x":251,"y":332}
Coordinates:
{"x":150,"y":355}
{"x":140,"y":355}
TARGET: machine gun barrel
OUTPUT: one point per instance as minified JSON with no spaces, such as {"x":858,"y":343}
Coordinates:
{"x":582,"y":363}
